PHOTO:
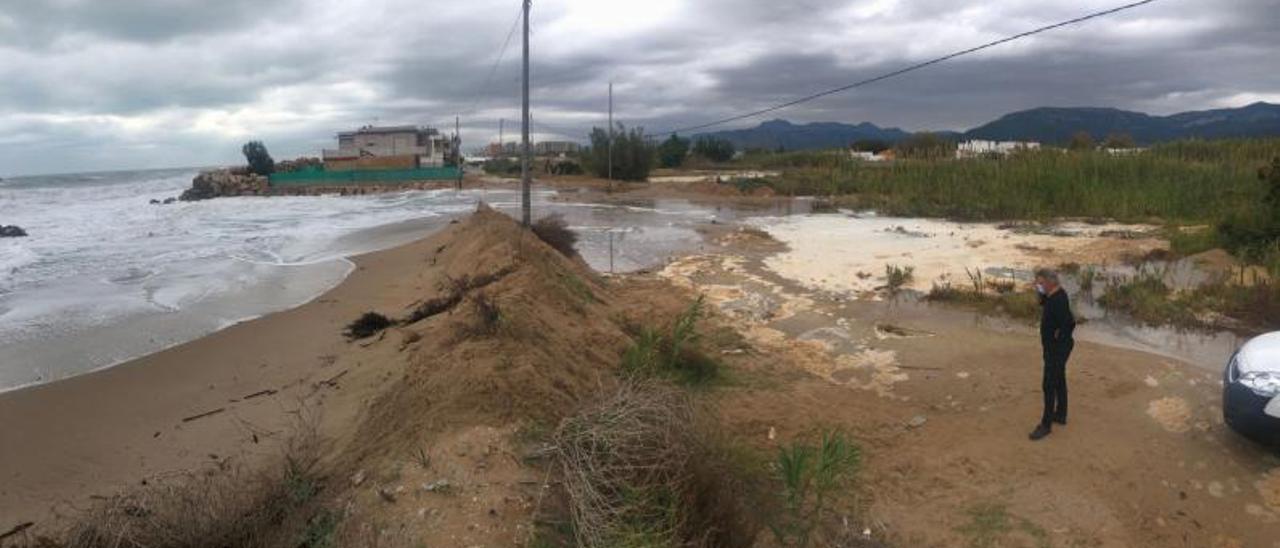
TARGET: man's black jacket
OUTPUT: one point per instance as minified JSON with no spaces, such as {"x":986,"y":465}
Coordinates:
{"x":1056,"y":322}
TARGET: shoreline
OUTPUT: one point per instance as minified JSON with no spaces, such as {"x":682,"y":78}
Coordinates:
{"x":94,"y":433}
{"x":378,"y":238}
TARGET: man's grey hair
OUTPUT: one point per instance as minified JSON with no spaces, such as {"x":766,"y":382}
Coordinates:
{"x":1048,"y":274}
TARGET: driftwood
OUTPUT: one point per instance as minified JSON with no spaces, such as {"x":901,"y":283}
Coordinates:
{"x":205,"y":414}
{"x":332,"y":381}
{"x":16,"y":529}
{"x":266,"y":392}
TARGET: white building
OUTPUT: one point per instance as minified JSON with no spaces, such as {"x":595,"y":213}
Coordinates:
{"x":426,"y":144}
{"x":868,"y":156}
{"x":976,"y":148}
{"x":552,"y":148}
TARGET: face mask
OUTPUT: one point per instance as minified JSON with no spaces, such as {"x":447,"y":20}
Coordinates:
{"x":1040,"y":289}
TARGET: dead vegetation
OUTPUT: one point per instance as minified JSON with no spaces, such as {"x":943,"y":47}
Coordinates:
{"x":638,"y":472}
{"x":452,"y":292}
{"x":553,"y":230}
{"x":367,"y":325}
{"x":220,"y":506}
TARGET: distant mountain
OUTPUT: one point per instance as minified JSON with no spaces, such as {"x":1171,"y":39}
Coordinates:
{"x":1056,"y":125}
{"x":783,"y":134}
{"x":1045,"y":124}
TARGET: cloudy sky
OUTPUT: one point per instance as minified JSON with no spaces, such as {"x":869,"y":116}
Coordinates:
{"x":115,"y":84}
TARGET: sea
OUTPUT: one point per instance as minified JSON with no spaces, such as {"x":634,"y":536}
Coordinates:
{"x":105,"y":275}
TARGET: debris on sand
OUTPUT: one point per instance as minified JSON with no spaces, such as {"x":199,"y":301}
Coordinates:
{"x":1172,"y":413}
{"x":890,"y":331}
{"x":1269,"y":488}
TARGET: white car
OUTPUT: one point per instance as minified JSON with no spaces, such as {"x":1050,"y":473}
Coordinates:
{"x":1251,"y":390}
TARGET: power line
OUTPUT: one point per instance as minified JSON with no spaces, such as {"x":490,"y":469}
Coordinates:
{"x":498,"y":61}
{"x":911,"y":68}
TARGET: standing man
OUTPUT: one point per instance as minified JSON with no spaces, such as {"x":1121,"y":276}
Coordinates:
{"x":1056,"y":326}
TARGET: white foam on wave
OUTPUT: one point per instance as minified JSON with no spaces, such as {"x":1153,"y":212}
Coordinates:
{"x":99,"y":253}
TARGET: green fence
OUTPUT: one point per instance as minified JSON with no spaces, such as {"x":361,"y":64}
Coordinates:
{"x":363,"y":177}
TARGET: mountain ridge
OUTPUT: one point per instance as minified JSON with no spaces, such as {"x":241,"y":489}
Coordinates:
{"x":1050,"y":125}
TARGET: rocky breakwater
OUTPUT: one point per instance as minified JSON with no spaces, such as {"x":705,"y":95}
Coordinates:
{"x":12,"y":231}
{"x":226,"y":182}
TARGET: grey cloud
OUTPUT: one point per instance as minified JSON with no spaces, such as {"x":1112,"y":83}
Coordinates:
{"x":41,"y":23}
{"x":303,"y":70}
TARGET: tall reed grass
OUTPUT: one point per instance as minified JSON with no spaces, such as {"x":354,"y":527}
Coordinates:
{"x":1192,"y":181}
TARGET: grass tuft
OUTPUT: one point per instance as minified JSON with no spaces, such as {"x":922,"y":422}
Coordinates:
{"x":809,"y":474}
{"x":897,"y":276}
{"x":673,"y":354}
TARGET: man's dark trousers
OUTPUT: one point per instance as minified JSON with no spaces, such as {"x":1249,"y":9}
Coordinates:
{"x":1055,"y":382}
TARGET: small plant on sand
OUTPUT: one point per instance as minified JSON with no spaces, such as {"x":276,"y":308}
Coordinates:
{"x":809,"y":474}
{"x":488,"y":314}
{"x":897,"y":276}
{"x":673,"y":354}
{"x":1086,"y":277}
{"x":553,"y":230}
{"x":990,"y":523}
{"x":321,"y":530}
{"x":367,"y":325}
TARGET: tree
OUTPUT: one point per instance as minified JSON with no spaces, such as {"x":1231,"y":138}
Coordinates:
{"x":1080,"y":140}
{"x":925,"y":146}
{"x":874,"y":146}
{"x":1119,"y":140}
{"x":671,"y":153}
{"x":632,"y":154}
{"x":714,"y":148}
{"x":259,"y":159}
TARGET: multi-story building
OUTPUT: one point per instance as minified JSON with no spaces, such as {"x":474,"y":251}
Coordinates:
{"x":389,"y":147}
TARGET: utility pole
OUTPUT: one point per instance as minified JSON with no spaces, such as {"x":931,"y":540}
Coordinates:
{"x":457,"y":148}
{"x":502,"y":145}
{"x":610,"y":140}
{"x":524,"y":128}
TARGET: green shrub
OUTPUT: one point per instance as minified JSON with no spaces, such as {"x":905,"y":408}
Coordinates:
{"x":897,"y":276}
{"x":673,"y":354}
{"x":809,"y":474}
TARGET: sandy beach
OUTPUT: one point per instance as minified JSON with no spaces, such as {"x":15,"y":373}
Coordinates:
{"x":92,"y":434}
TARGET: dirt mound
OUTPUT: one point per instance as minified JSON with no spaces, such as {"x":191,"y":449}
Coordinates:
{"x":522,"y":331}
{"x":507,"y":335}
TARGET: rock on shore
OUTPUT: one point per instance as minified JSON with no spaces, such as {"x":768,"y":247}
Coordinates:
{"x":12,"y":231}
{"x":225,"y":182}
